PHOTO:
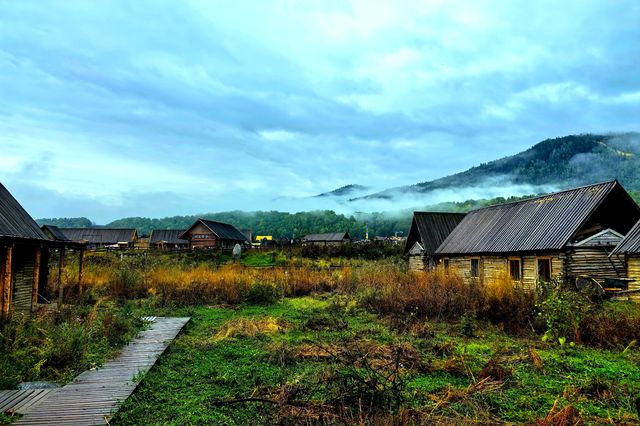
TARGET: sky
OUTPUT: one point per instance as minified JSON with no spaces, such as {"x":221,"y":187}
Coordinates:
{"x":156,"y":108}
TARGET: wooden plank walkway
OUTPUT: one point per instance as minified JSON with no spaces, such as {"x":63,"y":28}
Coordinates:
{"x":20,"y":401}
{"x":94,"y":396}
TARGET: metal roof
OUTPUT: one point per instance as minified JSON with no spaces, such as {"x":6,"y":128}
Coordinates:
{"x":329,"y":236}
{"x":541,"y":223}
{"x":167,"y":236}
{"x":100,"y":235}
{"x":224,"y":231}
{"x":15,"y":222}
{"x":54,"y":232}
{"x":630,"y":244}
{"x":431,"y":229}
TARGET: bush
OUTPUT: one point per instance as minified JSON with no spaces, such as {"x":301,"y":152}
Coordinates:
{"x":261,"y":293}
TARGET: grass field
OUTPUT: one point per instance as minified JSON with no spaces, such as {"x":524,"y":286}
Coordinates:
{"x":322,"y":359}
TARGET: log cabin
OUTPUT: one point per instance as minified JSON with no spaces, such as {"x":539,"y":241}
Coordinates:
{"x":209,"y":234}
{"x":326,"y":239}
{"x":24,"y":258}
{"x":168,"y":239}
{"x":561,"y":235}
{"x":428,"y":230}
{"x":97,"y":238}
{"x":628,"y":251}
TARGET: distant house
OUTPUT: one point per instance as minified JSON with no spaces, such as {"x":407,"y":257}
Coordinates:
{"x":205,"y":234}
{"x":96,"y":238}
{"x":328,"y":239}
{"x":565,"y":234}
{"x":54,"y":233}
{"x":24,"y":257}
{"x":428,"y":230}
{"x":168,"y":239}
{"x":265,"y":242}
{"x":629,"y":251}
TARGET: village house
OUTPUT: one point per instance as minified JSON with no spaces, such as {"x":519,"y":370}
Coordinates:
{"x":628,"y":251}
{"x":566,"y":234}
{"x":209,"y":234}
{"x":25,"y":250}
{"x":97,"y":238}
{"x":327,"y":239}
{"x":428,"y":230}
{"x":168,"y":239}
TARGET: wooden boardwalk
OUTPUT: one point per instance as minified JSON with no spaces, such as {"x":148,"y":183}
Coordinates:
{"x":94,"y":396}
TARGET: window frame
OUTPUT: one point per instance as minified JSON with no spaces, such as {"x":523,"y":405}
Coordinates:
{"x":477,"y":260}
{"x":520,"y":271}
{"x":544,"y":259}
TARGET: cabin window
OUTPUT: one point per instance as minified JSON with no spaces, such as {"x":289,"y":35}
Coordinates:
{"x":475,"y":267}
{"x":544,"y":270}
{"x":445,"y":264}
{"x":515,"y":269}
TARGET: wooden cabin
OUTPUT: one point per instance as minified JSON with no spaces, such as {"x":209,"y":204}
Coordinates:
{"x":24,"y":254}
{"x":628,"y":251}
{"x":103,"y":238}
{"x":209,"y":234}
{"x":327,"y":239}
{"x":168,"y":239}
{"x":562,"y":235}
{"x":428,"y":230}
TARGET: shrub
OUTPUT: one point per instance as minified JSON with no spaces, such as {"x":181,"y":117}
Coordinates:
{"x":261,"y":293}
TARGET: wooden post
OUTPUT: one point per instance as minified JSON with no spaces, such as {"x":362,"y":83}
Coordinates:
{"x":60,"y":284}
{"x":6,"y":280}
{"x":80,"y":267}
{"x":36,"y":279}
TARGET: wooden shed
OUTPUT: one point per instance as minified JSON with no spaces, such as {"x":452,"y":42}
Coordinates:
{"x":23,"y":257}
{"x":168,"y":239}
{"x":428,"y":230}
{"x":628,"y":251}
{"x":327,"y":239}
{"x":209,"y":234}
{"x":565,"y":234}
{"x":96,"y":238}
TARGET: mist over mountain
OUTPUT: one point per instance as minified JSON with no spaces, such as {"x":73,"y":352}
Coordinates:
{"x":551,"y":165}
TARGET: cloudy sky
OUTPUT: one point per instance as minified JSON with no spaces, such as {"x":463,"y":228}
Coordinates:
{"x":156,"y":108}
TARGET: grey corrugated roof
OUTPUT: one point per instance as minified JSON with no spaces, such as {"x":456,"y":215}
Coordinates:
{"x":167,"y":236}
{"x":100,"y":235}
{"x":224,"y":231}
{"x":329,"y":236}
{"x":431,"y":229}
{"x":15,"y":222}
{"x":630,"y":244}
{"x":57,"y":234}
{"x":541,"y":223}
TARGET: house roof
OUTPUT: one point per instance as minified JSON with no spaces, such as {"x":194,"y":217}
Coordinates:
{"x":630,"y":244}
{"x":167,"y":236}
{"x":548,"y":222}
{"x":54,"y":232}
{"x":100,"y":235}
{"x":330,"y":236}
{"x":15,"y":222}
{"x":224,"y":231}
{"x":431,"y":229}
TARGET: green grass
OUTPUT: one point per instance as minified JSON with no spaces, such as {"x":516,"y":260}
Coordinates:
{"x":198,"y":371}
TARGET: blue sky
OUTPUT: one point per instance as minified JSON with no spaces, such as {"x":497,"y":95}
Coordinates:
{"x":155,"y":108}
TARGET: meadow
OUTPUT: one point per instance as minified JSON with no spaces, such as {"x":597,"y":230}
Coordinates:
{"x":307,"y":338}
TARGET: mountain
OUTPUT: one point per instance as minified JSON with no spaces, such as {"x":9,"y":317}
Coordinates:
{"x":549,"y":165}
{"x":347,"y":190}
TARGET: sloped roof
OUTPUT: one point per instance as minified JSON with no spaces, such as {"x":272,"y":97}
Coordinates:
{"x":431,"y":229}
{"x":167,"y":236}
{"x":630,"y":244}
{"x":15,"y":222}
{"x":100,"y":235}
{"x":224,"y":231}
{"x":541,"y":223}
{"x":330,"y":236}
{"x":55,"y":232}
